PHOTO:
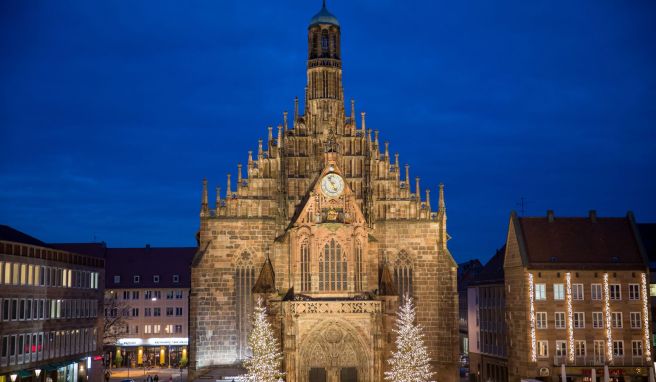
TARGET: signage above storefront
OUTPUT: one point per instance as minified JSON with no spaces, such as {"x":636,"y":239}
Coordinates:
{"x":153,"y":341}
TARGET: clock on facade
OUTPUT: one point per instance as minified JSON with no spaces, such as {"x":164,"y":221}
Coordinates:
{"x":332,"y":185}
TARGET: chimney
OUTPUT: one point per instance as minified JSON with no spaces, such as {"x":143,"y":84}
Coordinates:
{"x":593,"y":216}
{"x":550,"y":216}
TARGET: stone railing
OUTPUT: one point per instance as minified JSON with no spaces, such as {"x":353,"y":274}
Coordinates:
{"x":326,"y":307}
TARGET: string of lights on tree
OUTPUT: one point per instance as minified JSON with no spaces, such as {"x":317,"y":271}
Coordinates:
{"x":410,"y":361}
{"x":265,"y":362}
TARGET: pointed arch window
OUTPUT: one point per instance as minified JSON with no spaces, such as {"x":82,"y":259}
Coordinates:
{"x":403,"y":274}
{"x":359,"y":267}
{"x":332,"y":268}
{"x":306,"y":278}
{"x":244,"y":282}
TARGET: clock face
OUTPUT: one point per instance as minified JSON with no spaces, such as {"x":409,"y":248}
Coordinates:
{"x":332,"y":185}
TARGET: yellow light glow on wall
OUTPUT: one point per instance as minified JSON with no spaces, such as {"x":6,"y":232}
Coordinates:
{"x":570,"y":318}
{"x":609,"y":333}
{"x":531,"y":297}
{"x":645,"y":317}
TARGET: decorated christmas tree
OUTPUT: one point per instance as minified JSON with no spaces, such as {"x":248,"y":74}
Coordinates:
{"x":264,"y":364}
{"x":410,"y":362}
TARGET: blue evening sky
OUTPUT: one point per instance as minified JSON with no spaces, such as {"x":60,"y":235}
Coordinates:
{"x":112,"y":112}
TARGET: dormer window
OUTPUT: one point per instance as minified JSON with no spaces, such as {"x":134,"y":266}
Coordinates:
{"x":136,"y":279}
{"x":176,"y":278}
{"x":156,"y":279}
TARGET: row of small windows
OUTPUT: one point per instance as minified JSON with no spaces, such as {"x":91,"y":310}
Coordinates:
{"x":580,"y":349}
{"x":578,"y":292}
{"x":40,"y":275}
{"x":153,"y":294}
{"x":15,"y":309}
{"x":156,"y":329}
{"x":148,"y":312}
{"x":17,"y":349}
{"x":578,"y":320}
{"x":136,"y":279}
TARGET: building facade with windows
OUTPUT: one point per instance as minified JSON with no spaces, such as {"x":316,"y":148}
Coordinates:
{"x":50,"y":326}
{"x":329,"y":230}
{"x":488,"y":335}
{"x":147,"y":297}
{"x":576,"y":294}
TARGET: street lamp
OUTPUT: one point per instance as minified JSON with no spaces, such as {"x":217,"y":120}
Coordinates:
{"x":13,"y":377}
{"x":37,"y":372}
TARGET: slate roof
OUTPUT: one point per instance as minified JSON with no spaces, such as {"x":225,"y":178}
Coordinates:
{"x":588,"y":242}
{"x":492,"y":272}
{"x":8,"y":233}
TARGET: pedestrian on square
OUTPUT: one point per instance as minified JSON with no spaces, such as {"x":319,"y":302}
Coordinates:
{"x":156,"y":378}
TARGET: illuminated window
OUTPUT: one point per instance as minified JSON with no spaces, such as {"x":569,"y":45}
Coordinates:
{"x":559,"y":291}
{"x":597,"y":320}
{"x":559,"y":320}
{"x":540,"y":291}
{"x":652,"y":288}
{"x":117,"y":279}
{"x":541,"y":320}
{"x":543,"y":349}
{"x":634,"y":292}
{"x":156,"y":329}
{"x":599,"y":351}
{"x":561,"y":349}
{"x":148,"y":329}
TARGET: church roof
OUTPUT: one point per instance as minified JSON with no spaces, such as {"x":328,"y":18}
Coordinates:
{"x":386,"y":286}
{"x":324,"y":17}
{"x":266,"y":282}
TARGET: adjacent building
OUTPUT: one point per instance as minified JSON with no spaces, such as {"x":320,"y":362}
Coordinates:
{"x":488,"y":335}
{"x":467,"y":272}
{"x":146,"y":303}
{"x":568,"y":293}
{"x":329,"y":229}
{"x":50,"y":326}
{"x":577,"y":295}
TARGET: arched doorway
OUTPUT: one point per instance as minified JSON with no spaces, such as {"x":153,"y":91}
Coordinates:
{"x":334,"y":352}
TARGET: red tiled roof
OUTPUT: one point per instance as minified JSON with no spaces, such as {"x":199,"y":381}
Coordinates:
{"x":601,"y":241}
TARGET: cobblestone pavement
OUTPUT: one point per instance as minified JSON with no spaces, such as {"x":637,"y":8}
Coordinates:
{"x":139,"y":374}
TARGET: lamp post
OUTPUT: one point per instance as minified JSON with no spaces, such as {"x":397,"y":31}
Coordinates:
{"x":37,"y":373}
{"x":13,"y":377}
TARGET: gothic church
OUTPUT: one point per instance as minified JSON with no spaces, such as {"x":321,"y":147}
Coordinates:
{"x":327,"y":227}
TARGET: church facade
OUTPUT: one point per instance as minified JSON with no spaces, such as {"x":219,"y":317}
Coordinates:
{"x":327,"y":227}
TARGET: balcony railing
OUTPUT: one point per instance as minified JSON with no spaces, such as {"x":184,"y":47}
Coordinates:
{"x":600,"y":360}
